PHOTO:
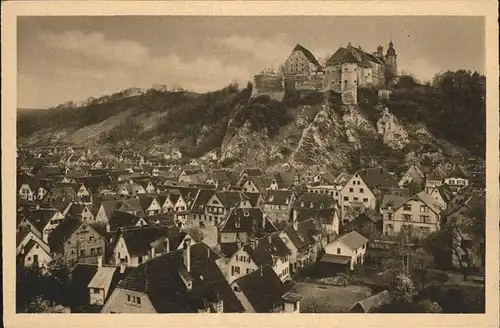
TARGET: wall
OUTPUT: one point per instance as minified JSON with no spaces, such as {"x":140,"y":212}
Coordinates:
{"x":277,"y":212}
{"x":349,"y":83}
{"x":230,"y":237}
{"x":399,"y":221}
{"x":80,"y":240}
{"x":118,"y":303}
{"x":297,"y":63}
{"x":366,"y":197}
{"x":43,"y":257}
{"x":292,"y":258}
{"x":235,"y":261}
{"x":96,"y":298}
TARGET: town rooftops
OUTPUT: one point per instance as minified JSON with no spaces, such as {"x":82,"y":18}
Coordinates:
{"x":160,"y":278}
{"x":263,"y":289}
{"x":61,"y":234}
{"x":313,"y":201}
{"x":139,"y":239}
{"x":278,"y":197}
{"x":41,"y":217}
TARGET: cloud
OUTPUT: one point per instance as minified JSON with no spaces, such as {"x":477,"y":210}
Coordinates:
{"x":96,"y":45}
{"x":271,"y":51}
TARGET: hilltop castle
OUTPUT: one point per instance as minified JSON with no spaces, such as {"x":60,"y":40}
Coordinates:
{"x":346,"y":70}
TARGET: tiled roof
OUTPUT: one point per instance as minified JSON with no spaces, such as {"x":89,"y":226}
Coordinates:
{"x":202,"y":197}
{"x":371,"y":303}
{"x":377,"y":177}
{"x":62,"y":233}
{"x":252,"y":197}
{"x":342,"y":55}
{"x":231,"y":199}
{"x":161,"y":280}
{"x":308,"y":54}
{"x":138,"y":239}
{"x":40,"y":218}
{"x":278,"y":197}
{"x":249,"y":220}
{"x":353,"y":240}
{"x":263,"y":289}
{"x":121,"y":219}
{"x":313,"y":201}
{"x":267,"y":248}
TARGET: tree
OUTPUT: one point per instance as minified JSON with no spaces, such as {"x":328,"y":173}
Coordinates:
{"x":402,"y":289}
{"x":39,"y":305}
{"x":428,"y":306}
{"x":420,"y":262}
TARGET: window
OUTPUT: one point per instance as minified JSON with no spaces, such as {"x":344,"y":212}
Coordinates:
{"x":338,"y":250}
{"x":96,"y":290}
{"x":407,"y":207}
{"x":72,"y":251}
{"x":139,"y":259}
{"x":365,"y":200}
{"x":425,"y":219}
{"x":466,"y":244}
{"x":424,"y":208}
{"x":346,"y":198}
{"x":92,"y":251}
{"x":99,"y":251}
{"x":138,"y":300}
{"x":82,"y":252}
{"x":407,"y":217}
{"x":351,"y":189}
{"x":128,"y":298}
{"x":236,"y":289}
{"x":82,"y":239}
{"x":356,"y":199}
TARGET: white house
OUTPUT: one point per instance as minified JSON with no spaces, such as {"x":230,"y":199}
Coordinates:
{"x":351,"y":245}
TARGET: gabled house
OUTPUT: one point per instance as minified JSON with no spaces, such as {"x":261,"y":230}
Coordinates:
{"x":442,"y":195}
{"x":457,"y":179}
{"x":253,"y":184}
{"x":23,"y":237}
{"x":106,"y":209}
{"x":261,"y":291}
{"x":435,"y":178}
{"x":103,"y":283}
{"x":350,"y":247}
{"x":130,"y":189}
{"x":41,"y":222}
{"x":149,"y":205}
{"x":81,"y":191}
{"x":318,"y":206}
{"x":301,"y":239}
{"x":183,"y":281}
{"x":419,"y":211}
{"x":133,"y":246}
{"x":277,"y":204}
{"x":268,"y":250}
{"x":369,"y":224}
{"x":121,"y":219}
{"x":35,"y":253}
{"x":240,"y":225}
{"x":219,"y":205}
{"x":77,"y":241}
{"x":414,"y":174}
{"x":197,"y":211}
{"x":362,"y":190}
{"x":80,"y":211}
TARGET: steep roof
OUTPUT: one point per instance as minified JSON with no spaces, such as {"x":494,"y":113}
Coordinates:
{"x":353,"y":240}
{"x":250,"y":220}
{"x":371,"y":303}
{"x":313,"y":201}
{"x":139,"y":239}
{"x":102,"y":278}
{"x":377,"y":177}
{"x":308,"y":54}
{"x":231,"y":199}
{"x":342,"y":55}
{"x":202,"y":197}
{"x":263,"y":289}
{"x":267,"y":249}
{"x":40,"y":218}
{"x":62,"y":233}
{"x":278,"y":197}
{"x":160,"y":278}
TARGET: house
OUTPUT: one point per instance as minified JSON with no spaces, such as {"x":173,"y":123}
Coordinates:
{"x":414,"y":174}
{"x":80,"y":211}
{"x":242,"y":224}
{"x":130,"y":189}
{"x":59,"y":194}
{"x":332,"y":190}
{"x":23,"y":237}
{"x":369,"y":224}
{"x":106,"y":210}
{"x":255,"y":199}
{"x":220,"y":204}
{"x":442,"y":195}
{"x":261,"y":291}
{"x":41,"y":222}
{"x":149,"y":205}
{"x":372,"y":303}
{"x":103,"y":283}
{"x":197,"y":211}
{"x":120,"y":219}
{"x":277,"y":204}
{"x":457,"y":179}
{"x":435,"y":178}
{"x":252,"y":184}
{"x":135,"y":245}
{"x":418,"y":211}
{"x":301,"y":239}
{"x":352,"y":246}
{"x":77,"y":241}
{"x":309,"y":205}
{"x":362,"y":190}
{"x":81,"y":191}
{"x":301,"y":62}
{"x":182,"y":281}
{"x":35,"y":253}
{"x":268,"y":250}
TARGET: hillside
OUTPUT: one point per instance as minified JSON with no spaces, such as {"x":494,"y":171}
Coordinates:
{"x":441,"y":120}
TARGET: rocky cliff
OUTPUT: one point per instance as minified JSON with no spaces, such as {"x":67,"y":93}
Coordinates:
{"x":228,"y":126}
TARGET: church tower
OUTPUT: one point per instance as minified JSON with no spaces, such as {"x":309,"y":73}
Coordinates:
{"x":391,"y":66}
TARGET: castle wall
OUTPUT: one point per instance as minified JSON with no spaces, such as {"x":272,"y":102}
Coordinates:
{"x":333,"y":78}
{"x":349,"y":83}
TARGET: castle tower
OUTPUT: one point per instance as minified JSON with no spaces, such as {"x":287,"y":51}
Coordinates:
{"x":391,"y":67}
{"x":380,"y":51}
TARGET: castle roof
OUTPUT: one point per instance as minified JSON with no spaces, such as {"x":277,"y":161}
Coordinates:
{"x":308,"y":54}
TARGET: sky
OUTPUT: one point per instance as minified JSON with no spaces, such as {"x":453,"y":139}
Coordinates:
{"x":64,"y":59}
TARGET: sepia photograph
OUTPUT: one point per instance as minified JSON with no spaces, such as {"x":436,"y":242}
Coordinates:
{"x":291,"y":164}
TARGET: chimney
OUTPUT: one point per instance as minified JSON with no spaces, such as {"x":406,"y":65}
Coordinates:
{"x":187,"y":255}
{"x":99,"y":261}
{"x":166,"y":243}
{"x":295,"y":225}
